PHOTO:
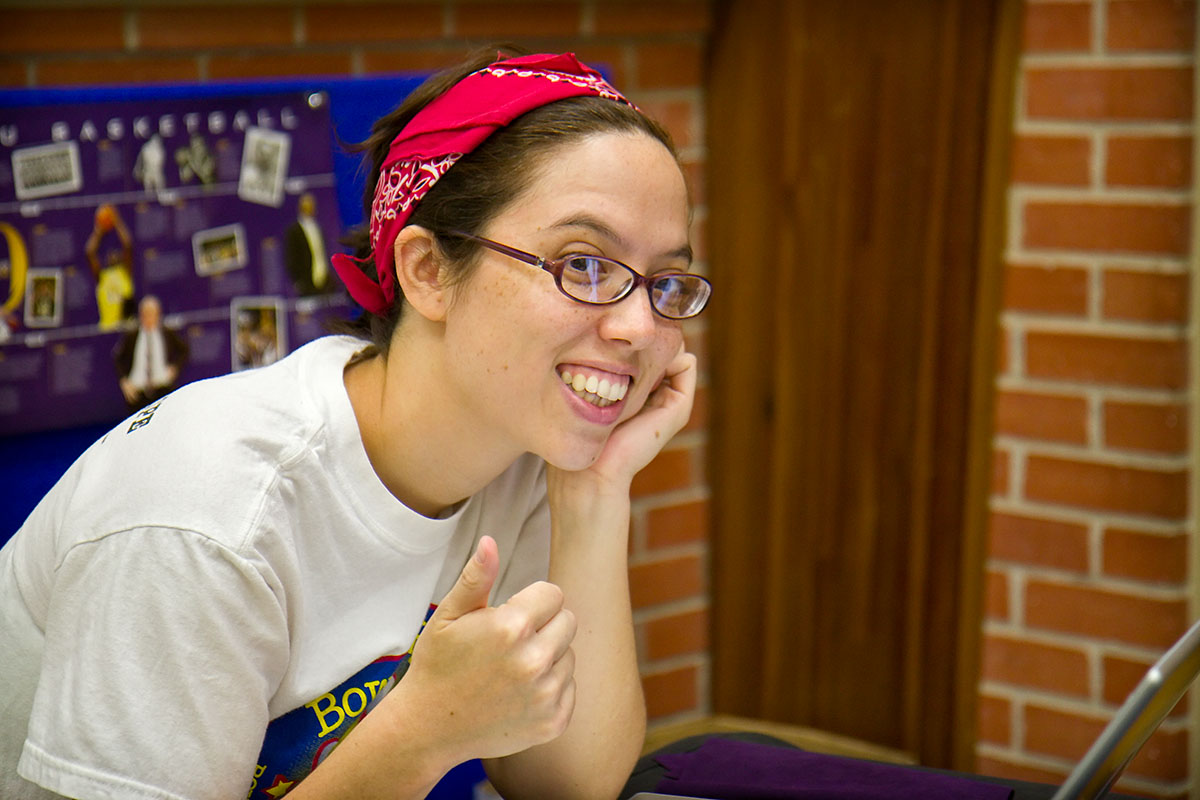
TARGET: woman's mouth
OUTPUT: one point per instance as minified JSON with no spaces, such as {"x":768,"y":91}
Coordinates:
{"x":599,"y":389}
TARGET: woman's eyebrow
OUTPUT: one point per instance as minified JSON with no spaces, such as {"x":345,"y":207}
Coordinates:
{"x":603,"y":229}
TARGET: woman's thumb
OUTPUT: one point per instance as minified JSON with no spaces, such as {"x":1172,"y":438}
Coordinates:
{"x":470,"y":592}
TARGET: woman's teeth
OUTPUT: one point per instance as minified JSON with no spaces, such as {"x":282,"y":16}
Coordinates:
{"x":597,"y":391}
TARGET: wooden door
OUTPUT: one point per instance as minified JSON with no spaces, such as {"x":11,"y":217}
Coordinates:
{"x":857,"y":161}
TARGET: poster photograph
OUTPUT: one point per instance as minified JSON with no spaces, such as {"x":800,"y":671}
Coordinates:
{"x":46,"y":170}
{"x":43,"y":302}
{"x":256,"y":335}
{"x":264,"y":166}
{"x":173,"y":217}
{"x":219,"y":249}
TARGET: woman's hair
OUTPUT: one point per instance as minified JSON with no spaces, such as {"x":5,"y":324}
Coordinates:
{"x":482,"y":183}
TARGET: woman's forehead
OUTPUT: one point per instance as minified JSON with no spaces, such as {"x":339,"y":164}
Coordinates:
{"x":613,"y":184}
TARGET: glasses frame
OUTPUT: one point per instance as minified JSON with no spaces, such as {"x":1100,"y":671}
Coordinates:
{"x":555,"y":267}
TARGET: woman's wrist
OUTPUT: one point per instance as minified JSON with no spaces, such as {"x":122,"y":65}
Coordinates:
{"x":586,"y":489}
{"x":382,"y":756}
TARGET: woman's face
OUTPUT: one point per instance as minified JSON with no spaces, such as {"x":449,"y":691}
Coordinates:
{"x":512,"y":334}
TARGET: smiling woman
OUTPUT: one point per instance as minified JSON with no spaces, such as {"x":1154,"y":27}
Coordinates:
{"x":458,"y":469}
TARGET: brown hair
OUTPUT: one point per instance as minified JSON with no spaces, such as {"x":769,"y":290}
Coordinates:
{"x":482,"y":183}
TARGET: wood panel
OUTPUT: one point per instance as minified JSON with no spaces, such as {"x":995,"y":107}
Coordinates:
{"x":849,"y":152}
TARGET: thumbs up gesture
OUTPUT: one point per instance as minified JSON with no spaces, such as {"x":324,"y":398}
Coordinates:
{"x":494,"y":681}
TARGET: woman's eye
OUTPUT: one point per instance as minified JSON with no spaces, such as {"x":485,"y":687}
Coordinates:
{"x":584,"y":269}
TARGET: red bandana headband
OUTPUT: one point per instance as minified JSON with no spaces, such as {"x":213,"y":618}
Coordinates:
{"x":444,"y":131}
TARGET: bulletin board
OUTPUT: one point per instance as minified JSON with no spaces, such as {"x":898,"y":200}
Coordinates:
{"x":204,"y":211}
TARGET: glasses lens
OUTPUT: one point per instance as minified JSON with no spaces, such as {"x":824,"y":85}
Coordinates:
{"x":680,"y":296}
{"x":594,"y":279}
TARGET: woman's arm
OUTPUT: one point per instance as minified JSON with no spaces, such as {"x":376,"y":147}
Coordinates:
{"x":589,"y":513}
{"x":484,"y":682}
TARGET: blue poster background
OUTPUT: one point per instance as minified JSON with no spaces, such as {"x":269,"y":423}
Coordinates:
{"x":57,"y":365}
{"x":208,"y":248}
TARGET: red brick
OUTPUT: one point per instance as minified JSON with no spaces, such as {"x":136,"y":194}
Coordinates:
{"x":1146,"y":296}
{"x":1145,"y":556}
{"x":1039,"y":542}
{"x":1148,"y":363}
{"x":677,"y":635}
{"x":995,"y":720}
{"x":358,"y":23}
{"x":1108,"y":227}
{"x":1057,"y":26}
{"x":609,"y":59}
{"x":693,"y":174}
{"x":1163,"y":757}
{"x":670,"y":469}
{"x":1132,"y":490}
{"x":996,"y":595}
{"x":1057,"y":418}
{"x":671,"y":692}
{"x":421,"y":61}
{"x":1157,"y":25}
{"x":663,"y":581}
{"x":1065,"y":735}
{"x":241,"y":25}
{"x":28,"y":30}
{"x":1112,"y":93}
{"x":279,"y":64}
{"x":1056,"y":733}
{"x":670,"y":65}
{"x":678,"y":524}
{"x":1050,"y":290}
{"x":698,"y":421}
{"x":117,"y":70}
{"x":998,"y":767}
{"x":639,"y":18}
{"x":681,"y":118}
{"x":999,"y":472}
{"x":1002,"y":345}
{"x":1155,"y":427}
{"x":699,"y":237}
{"x":1151,"y":161}
{"x":13,"y":73}
{"x":1122,"y":675}
{"x":1051,"y":160}
{"x":522,"y":20}
{"x":1038,"y":666}
{"x":1103,"y":614}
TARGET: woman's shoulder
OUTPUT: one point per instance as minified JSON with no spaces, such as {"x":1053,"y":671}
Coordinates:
{"x":264,"y":407}
{"x":219,"y":444}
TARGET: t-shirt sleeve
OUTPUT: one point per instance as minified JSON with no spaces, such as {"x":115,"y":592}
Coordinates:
{"x":162,"y":649}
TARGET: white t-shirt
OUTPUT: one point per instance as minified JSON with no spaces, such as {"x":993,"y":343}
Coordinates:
{"x":221,"y":566}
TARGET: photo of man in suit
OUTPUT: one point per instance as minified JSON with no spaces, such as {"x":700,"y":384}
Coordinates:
{"x":304,"y":251}
{"x":149,"y":357}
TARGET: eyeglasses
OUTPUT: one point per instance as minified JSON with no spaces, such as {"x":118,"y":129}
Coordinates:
{"x":599,"y":281}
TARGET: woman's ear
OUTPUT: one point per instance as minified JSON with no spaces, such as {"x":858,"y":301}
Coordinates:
{"x":419,"y":272}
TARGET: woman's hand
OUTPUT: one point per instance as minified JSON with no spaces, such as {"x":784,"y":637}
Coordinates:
{"x":494,"y":681}
{"x":635,"y":442}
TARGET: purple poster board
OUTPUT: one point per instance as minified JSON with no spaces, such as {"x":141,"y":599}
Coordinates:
{"x":209,"y":219}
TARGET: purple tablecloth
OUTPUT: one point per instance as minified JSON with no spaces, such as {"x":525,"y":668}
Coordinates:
{"x":734,"y":770}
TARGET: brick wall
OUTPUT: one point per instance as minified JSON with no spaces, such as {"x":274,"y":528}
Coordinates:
{"x":1087,"y":578}
{"x":654,"y":52}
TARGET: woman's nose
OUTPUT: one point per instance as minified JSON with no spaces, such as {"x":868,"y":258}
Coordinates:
{"x":630,"y":319}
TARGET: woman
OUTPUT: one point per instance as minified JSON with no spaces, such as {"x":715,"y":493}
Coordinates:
{"x":222,"y":587}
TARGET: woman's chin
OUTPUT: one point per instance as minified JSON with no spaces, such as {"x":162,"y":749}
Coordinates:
{"x":575,"y":459}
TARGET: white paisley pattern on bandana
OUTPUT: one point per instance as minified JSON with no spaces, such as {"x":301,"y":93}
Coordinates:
{"x":403,"y":184}
{"x":593,"y":83}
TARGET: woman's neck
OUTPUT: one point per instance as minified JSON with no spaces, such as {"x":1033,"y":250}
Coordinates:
{"x":423,"y":450}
